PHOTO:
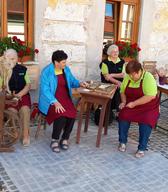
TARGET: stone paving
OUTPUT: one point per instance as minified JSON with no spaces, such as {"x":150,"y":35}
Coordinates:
{"x":85,"y":168}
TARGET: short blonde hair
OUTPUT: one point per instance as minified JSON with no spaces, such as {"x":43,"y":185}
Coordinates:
{"x":10,"y":52}
{"x":111,"y":48}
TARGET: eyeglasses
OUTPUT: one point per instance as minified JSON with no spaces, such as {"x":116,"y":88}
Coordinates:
{"x":114,"y":51}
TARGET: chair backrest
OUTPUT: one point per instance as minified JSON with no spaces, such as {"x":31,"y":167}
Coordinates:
{"x":150,"y":66}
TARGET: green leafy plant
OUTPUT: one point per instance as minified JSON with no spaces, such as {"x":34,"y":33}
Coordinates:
{"x":17,"y":44}
{"x":127,"y":49}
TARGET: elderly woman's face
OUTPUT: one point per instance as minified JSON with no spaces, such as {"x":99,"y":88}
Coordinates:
{"x":135,"y":76}
{"x":114,"y":53}
{"x":61,"y":64}
{"x":11,"y":60}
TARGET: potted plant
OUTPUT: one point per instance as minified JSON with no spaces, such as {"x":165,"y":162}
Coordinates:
{"x":128,"y":50}
{"x":17,"y":44}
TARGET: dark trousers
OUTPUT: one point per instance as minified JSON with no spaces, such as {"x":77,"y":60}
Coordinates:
{"x":116,"y":100}
{"x":64,"y":124}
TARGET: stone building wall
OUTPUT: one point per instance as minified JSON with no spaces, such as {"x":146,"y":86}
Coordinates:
{"x":76,"y":26}
{"x":153,"y":36}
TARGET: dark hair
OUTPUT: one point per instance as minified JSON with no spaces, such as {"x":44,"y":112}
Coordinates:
{"x":106,"y":46}
{"x":133,"y":66}
{"x":59,"y":55}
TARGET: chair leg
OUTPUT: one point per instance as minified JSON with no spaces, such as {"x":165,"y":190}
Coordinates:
{"x":38,"y":126}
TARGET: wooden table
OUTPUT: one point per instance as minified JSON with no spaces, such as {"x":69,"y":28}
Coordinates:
{"x":89,"y":97}
{"x":163,"y":88}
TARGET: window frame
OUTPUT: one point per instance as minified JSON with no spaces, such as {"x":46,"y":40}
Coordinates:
{"x":115,"y":17}
{"x":28,"y":21}
{"x":135,"y":27}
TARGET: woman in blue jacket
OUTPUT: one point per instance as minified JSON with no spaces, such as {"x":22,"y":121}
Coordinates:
{"x":55,"y":99}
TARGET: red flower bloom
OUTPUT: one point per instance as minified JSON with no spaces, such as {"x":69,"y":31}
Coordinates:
{"x":139,"y":49}
{"x":126,"y":49}
{"x":28,"y":50}
{"x":15,"y":43}
{"x":21,"y":53}
{"x":134,"y":46}
{"x":36,"y":51}
{"x":14,"y":38}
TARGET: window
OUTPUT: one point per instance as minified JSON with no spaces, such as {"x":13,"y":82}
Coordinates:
{"x":127,"y":22}
{"x":121,"y":20}
{"x":0,"y":18}
{"x":110,"y":21}
{"x":16,"y":19}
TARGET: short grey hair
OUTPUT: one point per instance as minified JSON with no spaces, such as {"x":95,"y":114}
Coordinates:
{"x":111,"y":48}
{"x":10,"y":52}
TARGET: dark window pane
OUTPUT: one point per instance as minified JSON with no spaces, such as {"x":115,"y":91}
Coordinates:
{"x":108,"y":36}
{"x":109,"y":10}
{"x":15,"y":5}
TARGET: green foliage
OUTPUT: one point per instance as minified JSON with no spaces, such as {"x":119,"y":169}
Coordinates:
{"x":15,"y":43}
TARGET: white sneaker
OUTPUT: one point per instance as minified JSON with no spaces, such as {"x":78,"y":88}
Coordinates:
{"x":122,"y":147}
{"x":139,"y":154}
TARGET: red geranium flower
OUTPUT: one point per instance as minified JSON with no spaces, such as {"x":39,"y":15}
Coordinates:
{"x":36,"y":51}
{"x":127,"y":49}
{"x":17,"y":44}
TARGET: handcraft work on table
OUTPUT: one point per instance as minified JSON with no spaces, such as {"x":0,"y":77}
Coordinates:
{"x":101,"y":87}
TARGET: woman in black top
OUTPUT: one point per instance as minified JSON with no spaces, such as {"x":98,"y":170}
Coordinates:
{"x":112,"y":72}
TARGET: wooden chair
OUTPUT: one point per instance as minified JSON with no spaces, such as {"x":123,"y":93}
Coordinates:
{"x":150,"y":66}
{"x":41,"y":121}
{"x":9,"y":126}
{"x":37,"y":118}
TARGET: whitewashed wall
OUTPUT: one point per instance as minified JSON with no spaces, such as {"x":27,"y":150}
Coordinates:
{"x":76,"y":26}
{"x":153,"y":36}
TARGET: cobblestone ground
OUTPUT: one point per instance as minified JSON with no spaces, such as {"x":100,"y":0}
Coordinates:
{"x":85,"y":168}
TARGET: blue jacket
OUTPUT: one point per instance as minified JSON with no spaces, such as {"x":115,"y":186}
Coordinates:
{"x":48,"y":86}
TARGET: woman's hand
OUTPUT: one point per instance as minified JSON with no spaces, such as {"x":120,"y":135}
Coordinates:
{"x":131,"y":105}
{"x":109,"y":77}
{"x":17,"y":96}
{"x":59,"y":108}
{"x":118,"y":83}
{"x":84,"y":84}
{"x":122,"y":105}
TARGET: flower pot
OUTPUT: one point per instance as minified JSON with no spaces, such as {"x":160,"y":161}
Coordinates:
{"x":24,"y":58}
{"x":127,"y":59}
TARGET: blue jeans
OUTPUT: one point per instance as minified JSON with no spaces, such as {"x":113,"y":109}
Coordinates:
{"x":144,"y":134}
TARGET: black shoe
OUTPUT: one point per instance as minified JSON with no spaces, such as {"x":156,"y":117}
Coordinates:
{"x":63,"y":145}
{"x":116,"y":118}
{"x":55,"y":146}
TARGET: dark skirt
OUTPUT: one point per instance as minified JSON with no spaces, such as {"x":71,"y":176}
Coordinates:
{"x":62,"y":95}
{"x":24,"y":101}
